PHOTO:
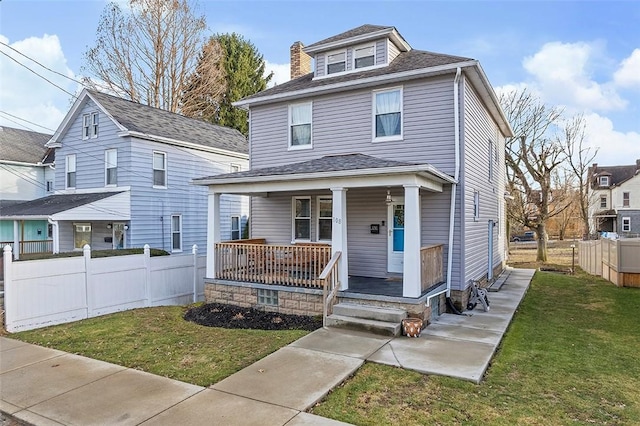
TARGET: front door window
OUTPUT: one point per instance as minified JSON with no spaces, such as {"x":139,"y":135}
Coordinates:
{"x":398,"y":227}
{"x":118,"y":235}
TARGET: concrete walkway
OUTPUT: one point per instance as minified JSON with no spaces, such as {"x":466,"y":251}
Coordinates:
{"x":48,"y":387}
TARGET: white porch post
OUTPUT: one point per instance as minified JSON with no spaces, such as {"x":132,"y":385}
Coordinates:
{"x":16,"y":239}
{"x":411,"y":280}
{"x":339,"y":234}
{"x":213,"y":232}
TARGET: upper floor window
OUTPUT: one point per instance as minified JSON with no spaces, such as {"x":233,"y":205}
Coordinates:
{"x":626,"y":224}
{"x":300,"y":125}
{"x":159,"y":169}
{"x":603,"y":202}
{"x":71,"y":171}
{"x":604,"y":180}
{"x":111,"y":167}
{"x":176,"y":233}
{"x":302,"y":218}
{"x":336,"y":62}
{"x":626,"y":199}
{"x":90,"y":125}
{"x":387,"y":120}
{"x":364,"y":56}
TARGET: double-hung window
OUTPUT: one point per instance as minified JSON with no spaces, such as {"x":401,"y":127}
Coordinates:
{"x":336,"y":62}
{"x":387,"y":114}
{"x":176,"y":233}
{"x":302,"y":218}
{"x":235,"y":227}
{"x":111,"y":167}
{"x":364,"y":56}
{"x":90,"y":125}
{"x":71,"y":171}
{"x":300,"y":125}
{"x":325,"y":218}
{"x":159,"y":169}
{"x":626,"y":199}
{"x":604,"y":180}
{"x":603,"y":202}
{"x":626,"y":224}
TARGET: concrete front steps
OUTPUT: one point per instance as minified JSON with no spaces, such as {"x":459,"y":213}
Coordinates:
{"x":373,"y":319}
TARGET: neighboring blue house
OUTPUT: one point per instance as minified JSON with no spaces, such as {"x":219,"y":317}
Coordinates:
{"x":388,"y":156}
{"x":123,"y":175}
{"x":26,"y":173}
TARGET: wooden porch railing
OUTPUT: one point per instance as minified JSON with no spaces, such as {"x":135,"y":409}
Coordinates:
{"x":431,"y":265}
{"x":32,"y":246}
{"x":331,"y":284}
{"x":293,"y":265}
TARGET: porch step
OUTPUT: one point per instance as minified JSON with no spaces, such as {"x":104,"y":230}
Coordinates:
{"x":370,"y":312}
{"x":374,"y":319}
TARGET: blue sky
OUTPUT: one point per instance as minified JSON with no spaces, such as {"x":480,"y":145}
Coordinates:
{"x":583,"y":56}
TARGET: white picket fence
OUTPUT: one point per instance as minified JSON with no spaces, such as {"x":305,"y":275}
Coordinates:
{"x":39,"y":293}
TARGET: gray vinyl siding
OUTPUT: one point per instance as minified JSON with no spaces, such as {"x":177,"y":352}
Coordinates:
{"x":479,"y":129}
{"x":320,"y":59}
{"x":381,"y":56}
{"x":381,"y":52}
{"x":393,"y":51}
{"x":99,"y":232}
{"x":342,"y":123}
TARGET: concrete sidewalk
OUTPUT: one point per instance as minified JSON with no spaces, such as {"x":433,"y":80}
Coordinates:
{"x":48,"y":387}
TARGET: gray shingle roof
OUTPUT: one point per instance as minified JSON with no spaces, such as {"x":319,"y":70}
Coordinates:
{"x":23,"y":145}
{"x":618,"y":174}
{"x":355,"y":32}
{"x":53,"y":204}
{"x":405,"y":61}
{"x":141,"y":118}
{"x":329,"y":163}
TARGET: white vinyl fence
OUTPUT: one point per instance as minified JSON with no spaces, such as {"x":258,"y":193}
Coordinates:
{"x":39,"y":293}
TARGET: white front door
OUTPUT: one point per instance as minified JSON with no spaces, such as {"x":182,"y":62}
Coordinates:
{"x":395,"y":236}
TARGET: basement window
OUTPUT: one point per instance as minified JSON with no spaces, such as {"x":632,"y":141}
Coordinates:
{"x":267,"y":297}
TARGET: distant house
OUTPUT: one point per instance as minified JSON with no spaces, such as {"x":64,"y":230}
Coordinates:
{"x":388,"y":157}
{"x":614,"y":199}
{"x":26,"y":173}
{"x":123,"y":173}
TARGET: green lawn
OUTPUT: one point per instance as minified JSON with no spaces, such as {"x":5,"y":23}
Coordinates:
{"x":571,"y":356}
{"x":159,"y":341}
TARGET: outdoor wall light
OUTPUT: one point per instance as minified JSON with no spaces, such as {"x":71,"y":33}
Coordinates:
{"x":126,"y":227}
{"x":109,"y":226}
{"x":388,"y":200}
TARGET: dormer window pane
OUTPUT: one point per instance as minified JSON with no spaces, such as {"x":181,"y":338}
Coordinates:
{"x":604,"y":180}
{"x":336,"y":62}
{"x":364,"y":57}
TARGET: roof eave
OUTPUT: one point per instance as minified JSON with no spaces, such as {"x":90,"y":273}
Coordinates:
{"x":184,"y":144}
{"x":390,"y":31}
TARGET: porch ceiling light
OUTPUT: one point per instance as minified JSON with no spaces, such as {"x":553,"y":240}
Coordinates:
{"x":388,"y":200}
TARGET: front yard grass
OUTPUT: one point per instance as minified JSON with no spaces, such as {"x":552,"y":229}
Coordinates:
{"x":159,"y":341}
{"x":569,"y":357}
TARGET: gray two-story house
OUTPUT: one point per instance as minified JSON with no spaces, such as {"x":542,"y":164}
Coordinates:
{"x":387,"y":160}
{"x":123,"y":178}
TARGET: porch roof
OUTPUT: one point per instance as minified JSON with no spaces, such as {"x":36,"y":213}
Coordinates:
{"x":348,"y":170}
{"x":49,"y":207}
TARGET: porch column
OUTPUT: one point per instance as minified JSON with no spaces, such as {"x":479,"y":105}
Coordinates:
{"x":213,"y":232}
{"x":411,"y":280}
{"x":339,"y":234}
{"x":16,"y":239}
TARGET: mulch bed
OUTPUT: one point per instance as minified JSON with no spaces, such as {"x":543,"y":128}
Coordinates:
{"x":231,"y":316}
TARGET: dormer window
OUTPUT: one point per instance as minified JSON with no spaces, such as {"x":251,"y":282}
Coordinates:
{"x":336,"y":62}
{"x":364,"y":56}
{"x":604,"y":180}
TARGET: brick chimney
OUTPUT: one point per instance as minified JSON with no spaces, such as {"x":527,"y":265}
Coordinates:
{"x":300,"y":61}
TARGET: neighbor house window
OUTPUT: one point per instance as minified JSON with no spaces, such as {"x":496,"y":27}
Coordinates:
{"x":626,"y":224}
{"x":49,"y":186}
{"x":626,"y":198}
{"x":176,"y":233}
{"x":81,"y":235}
{"x":387,"y":121}
{"x":71,"y":171}
{"x":604,"y":180}
{"x":90,"y":125}
{"x":476,"y":205}
{"x":302,"y":218}
{"x":603,"y":202}
{"x":491,"y":160}
{"x":159,"y":169}
{"x":336,"y":62}
{"x":267,"y":297}
{"x":364,"y":56}
{"x":235,"y":227}
{"x":325,"y":218}
{"x":300,"y":125}
{"x":111,"y":167}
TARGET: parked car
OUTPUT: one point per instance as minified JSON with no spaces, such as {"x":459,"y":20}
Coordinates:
{"x":527,"y":236}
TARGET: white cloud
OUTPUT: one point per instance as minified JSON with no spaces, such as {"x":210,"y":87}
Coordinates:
{"x":615,"y":148}
{"x":281,"y":73}
{"x":628,"y":75}
{"x":28,"y":96}
{"x":562,"y":74}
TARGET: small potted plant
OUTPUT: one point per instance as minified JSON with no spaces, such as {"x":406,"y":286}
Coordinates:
{"x":411,"y":327}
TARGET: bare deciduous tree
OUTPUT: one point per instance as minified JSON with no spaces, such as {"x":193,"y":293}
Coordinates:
{"x":146,"y":53}
{"x":207,"y":85}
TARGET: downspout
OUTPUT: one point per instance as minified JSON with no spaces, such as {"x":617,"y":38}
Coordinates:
{"x":454,"y":185}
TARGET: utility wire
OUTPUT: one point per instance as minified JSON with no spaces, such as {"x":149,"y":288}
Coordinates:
{"x":39,"y":75}
{"x":26,"y":121}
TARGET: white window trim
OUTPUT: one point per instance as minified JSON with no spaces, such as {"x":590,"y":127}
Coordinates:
{"x":373,"y":115}
{"x":95,"y":124}
{"x":179,"y":216}
{"x":626,"y":227}
{"x":166,"y":173}
{"x":299,"y":147}
{"x":86,"y":126}
{"x":476,"y":206}
{"x":326,"y":62}
{"x":293,"y":219}
{"x":67,"y":171}
{"x":75,"y":224}
{"x":628,"y":199}
{"x":364,"y":46}
{"x":234,"y":168}
{"x":106,"y":167}
{"x":606,"y":201}
{"x":602,"y":179}
{"x":317,"y":221}
{"x":239,"y":230}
